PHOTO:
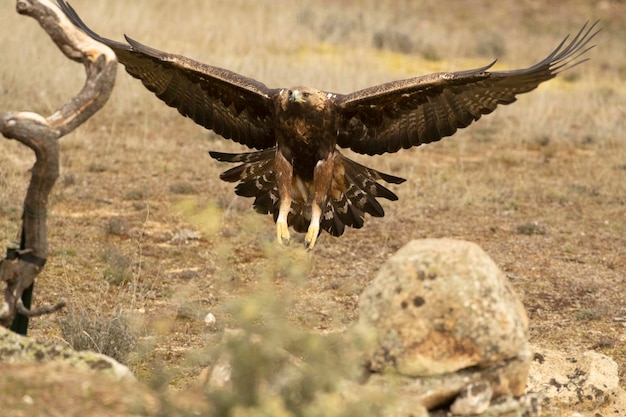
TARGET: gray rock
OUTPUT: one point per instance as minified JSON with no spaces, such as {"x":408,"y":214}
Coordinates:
{"x":443,"y":315}
{"x":578,"y":382}
{"x":473,"y":399}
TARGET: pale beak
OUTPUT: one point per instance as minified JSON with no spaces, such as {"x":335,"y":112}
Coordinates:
{"x":296,"y":96}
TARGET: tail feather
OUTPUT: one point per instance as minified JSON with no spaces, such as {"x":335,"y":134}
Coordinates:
{"x":346,"y":211}
{"x":383,"y":192}
{"x":266,"y":202}
{"x":253,"y":164}
{"x":251,"y":187}
{"x":372,"y":173}
{"x":334,"y":224}
{"x":354,"y":191}
{"x":256,"y":176}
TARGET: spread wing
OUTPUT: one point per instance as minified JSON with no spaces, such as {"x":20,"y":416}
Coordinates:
{"x":234,"y":106}
{"x":407,"y":113}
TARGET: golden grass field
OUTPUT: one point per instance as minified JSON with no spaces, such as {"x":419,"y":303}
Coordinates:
{"x":141,"y":227}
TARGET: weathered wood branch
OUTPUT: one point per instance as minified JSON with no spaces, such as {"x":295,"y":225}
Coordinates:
{"x":21,"y":266}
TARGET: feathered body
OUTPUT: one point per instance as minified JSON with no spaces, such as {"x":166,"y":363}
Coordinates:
{"x":349,"y":189}
{"x":298,"y":173}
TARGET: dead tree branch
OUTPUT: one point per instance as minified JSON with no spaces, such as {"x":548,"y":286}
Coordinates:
{"x":21,"y":266}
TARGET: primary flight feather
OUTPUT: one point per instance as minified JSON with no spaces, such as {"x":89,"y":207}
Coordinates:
{"x":298,"y":173}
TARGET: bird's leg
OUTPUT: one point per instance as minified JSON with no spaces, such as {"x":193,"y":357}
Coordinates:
{"x":284,"y":175}
{"x":322,"y":178}
{"x":314,"y":227}
{"x":282,"y":228}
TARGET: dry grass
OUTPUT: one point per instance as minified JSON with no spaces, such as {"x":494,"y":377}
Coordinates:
{"x":554,"y":162}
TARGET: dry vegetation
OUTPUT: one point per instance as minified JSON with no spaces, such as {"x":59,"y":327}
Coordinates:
{"x":143,"y":233}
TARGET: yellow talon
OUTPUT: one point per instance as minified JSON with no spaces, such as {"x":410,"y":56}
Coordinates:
{"x":282,"y":232}
{"x":311,"y":236}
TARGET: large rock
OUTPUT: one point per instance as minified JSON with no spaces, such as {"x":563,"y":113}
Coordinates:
{"x":445,"y":319}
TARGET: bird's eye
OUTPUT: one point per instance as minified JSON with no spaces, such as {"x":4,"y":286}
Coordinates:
{"x":305,"y":94}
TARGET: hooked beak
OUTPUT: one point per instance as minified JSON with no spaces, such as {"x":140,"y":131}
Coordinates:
{"x":296,"y":96}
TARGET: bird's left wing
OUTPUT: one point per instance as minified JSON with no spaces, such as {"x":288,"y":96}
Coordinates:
{"x":407,"y":113}
{"x":234,"y":106}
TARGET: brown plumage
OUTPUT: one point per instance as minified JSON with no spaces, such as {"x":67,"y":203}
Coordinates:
{"x":298,"y":174}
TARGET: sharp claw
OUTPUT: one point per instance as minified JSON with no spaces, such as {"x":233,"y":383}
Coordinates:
{"x":282,"y":233}
{"x":311,"y":237}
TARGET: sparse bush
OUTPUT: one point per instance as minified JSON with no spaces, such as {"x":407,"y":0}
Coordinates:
{"x":277,"y":369}
{"x":182,"y":188}
{"x":117,"y":269}
{"x":116,"y":226}
{"x":135,"y":194}
{"x":96,"y":167}
{"x":69,"y":179}
{"x":393,"y":41}
{"x":530,"y":229}
{"x":188,"y":301}
{"x":589,"y":314}
{"x":112,"y":336}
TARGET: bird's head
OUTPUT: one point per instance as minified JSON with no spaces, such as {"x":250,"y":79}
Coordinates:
{"x":298,"y":95}
{"x":303,"y":98}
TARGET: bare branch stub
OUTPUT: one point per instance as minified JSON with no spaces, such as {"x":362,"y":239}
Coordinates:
{"x":22,"y":265}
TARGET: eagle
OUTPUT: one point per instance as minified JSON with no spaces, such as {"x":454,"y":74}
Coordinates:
{"x":297,"y":172}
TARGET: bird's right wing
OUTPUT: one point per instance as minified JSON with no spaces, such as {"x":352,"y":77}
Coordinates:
{"x":233,"y":106}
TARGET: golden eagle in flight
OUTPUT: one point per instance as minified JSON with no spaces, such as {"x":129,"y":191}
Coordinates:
{"x":298,"y":173}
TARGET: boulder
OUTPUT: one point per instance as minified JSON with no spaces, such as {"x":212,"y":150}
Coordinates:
{"x":445,"y":321}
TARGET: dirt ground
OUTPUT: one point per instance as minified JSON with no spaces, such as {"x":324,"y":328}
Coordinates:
{"x":141,"y":225}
